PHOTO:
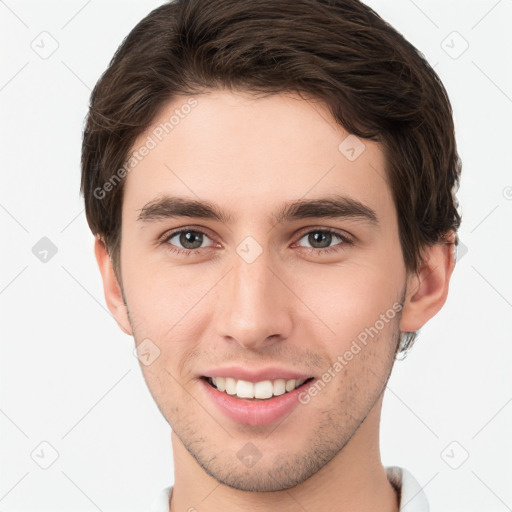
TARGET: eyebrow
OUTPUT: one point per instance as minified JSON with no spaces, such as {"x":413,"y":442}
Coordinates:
{"x":331,"y":207}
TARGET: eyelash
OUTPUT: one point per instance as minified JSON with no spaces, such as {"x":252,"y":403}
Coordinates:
{"x":345,"y":240}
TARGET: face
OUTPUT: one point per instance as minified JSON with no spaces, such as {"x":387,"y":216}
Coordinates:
{"x":291,"y":265}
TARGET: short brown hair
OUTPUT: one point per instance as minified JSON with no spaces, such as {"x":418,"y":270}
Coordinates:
{"x":375,"y":83}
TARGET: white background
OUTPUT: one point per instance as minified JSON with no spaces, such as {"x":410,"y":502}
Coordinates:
{"x":68,"y":376}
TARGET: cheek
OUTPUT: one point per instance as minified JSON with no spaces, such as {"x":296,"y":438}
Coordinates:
{"x":168,"y":392}
{"x":161,"y":295}
{"x":349,"y":298}
{"x":165,"y":313}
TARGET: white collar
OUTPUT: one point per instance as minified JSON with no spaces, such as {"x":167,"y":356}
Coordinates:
{"x":412,"y":497}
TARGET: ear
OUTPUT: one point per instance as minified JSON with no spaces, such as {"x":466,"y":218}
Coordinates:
{"x":427,"y":288}
{"x":111,"y":287}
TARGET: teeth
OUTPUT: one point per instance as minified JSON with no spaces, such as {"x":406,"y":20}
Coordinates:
{"x":290,"y":384}
{"x":230,"y":386}
{"x":264,"y":389}
{"x":244,"y":389}
{"x":221,"y":384}
{"x":279,"y":387}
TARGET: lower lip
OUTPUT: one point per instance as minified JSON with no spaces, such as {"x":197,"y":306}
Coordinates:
{"x":254,"y":412}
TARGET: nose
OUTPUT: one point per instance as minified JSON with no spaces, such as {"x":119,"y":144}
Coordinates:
{"x":254,"y":305}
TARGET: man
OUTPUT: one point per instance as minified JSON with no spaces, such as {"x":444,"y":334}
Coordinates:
{"x":271,"y":186}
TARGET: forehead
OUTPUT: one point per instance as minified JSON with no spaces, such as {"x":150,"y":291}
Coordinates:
{"x":253,"y":153}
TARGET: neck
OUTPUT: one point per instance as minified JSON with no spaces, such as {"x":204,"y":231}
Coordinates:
{"x":353,"y":480}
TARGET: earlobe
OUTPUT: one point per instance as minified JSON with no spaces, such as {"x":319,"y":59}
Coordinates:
{"x":427,"y":289}
{"x":111,"y":288}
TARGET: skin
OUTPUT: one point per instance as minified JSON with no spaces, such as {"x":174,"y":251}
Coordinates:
{"x":291,"y":307}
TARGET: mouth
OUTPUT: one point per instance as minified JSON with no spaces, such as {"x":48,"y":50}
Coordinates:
{"x":255,"y":391}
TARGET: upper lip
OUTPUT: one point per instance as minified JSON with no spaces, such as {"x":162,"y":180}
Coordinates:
{"x":255,"y":375}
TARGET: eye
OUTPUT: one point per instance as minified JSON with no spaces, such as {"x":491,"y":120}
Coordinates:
{"x":320,"y":241}
{"x":186,"y":241}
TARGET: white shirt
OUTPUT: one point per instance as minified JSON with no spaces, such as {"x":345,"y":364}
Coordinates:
{"x":411,"y":495}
